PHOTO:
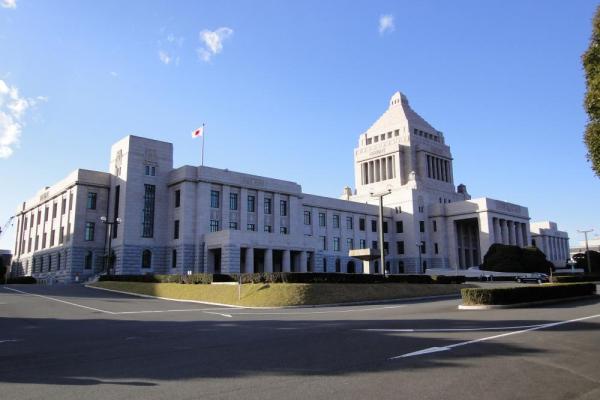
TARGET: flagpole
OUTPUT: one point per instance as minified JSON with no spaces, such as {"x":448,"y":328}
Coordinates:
{"x":203,"y":133}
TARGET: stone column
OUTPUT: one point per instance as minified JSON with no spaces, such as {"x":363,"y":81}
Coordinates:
{"x":469,"y":247}
{"x":286,"y":265}
{"x":249,"y":267}
{"x":371,"y":172}
{"x":377,"y":171}
{"x":365,"y":172}
{"x":303,"y":261}
{"x":383,"y":168}
{"x":390,"y":168}
{"x":504,"y":230}
{"x":268,"y":260}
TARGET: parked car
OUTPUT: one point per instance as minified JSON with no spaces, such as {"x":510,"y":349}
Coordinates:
{"x":536,"y":277}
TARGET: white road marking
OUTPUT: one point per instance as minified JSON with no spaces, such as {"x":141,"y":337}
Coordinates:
{"x":485,"y":339}
{"x":221,"y":314}
{"x":493,"y":328}
{"x":60,"y":301}
{"x":164,"y":311}
{"x":10,"y":340}
{"x":288,"y":312}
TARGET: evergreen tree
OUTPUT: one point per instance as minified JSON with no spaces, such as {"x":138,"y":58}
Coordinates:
{"x":591,"y":64}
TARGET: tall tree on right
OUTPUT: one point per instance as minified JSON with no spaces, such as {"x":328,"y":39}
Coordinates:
{"x":591,"y":64}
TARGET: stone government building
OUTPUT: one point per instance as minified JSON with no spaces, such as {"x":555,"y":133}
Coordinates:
{"x":204,"y":219}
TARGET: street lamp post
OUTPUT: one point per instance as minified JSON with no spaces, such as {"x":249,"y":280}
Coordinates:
{"x":110,"y":224}
{"x":587,"y":249}
{"x":381,"y":249}
{"x":419,"y":252}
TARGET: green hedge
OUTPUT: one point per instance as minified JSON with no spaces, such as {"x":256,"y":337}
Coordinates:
{"x":285,"y":277}
{"x":575,"y":278}
{"x":525,"y":294}
{"x":21,"y":280}
{"x":508,"y":258}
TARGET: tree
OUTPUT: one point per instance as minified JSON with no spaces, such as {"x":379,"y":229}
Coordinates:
{"x":591,"y":64}
{"x":581,"y":261}
{"x":506,"y":258}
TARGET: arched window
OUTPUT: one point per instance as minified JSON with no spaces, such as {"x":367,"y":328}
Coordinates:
{"x":146,"y":259}
{"x":324,"y":265}
{"x":338,"y":265}
{"x":89,"y":258}
{"x":351,"y":267}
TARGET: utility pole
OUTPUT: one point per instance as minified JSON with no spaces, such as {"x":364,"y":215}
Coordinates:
{"x":381,"y":249}
{"x":587,"y":249}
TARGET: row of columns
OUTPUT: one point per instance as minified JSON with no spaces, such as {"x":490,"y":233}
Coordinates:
{"x":556,"y":248}
{"x":438,"y":168}
{"x":378,"y":170}
{"x":468,"y":244}
{"x":286,"y":261}
{"x":509,"y":232}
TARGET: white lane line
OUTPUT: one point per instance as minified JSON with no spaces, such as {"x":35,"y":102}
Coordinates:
{"x":221,"y":314}
{"x":485,"y":339}
{"x":10,"y":340}
{"x":290,"y":312}
{"x":493,"y":328}
{"x":164,"y":311}
{"x":60,"y":301}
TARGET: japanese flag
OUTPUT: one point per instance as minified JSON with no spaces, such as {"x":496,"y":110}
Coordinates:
{"x":198,"y":132}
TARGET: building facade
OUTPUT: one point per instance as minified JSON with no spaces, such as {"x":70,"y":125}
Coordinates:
{"x":554,"y":243}
{"x":204,"y":219}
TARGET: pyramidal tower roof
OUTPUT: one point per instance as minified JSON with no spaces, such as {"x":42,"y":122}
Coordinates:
{"x":399,"y":109}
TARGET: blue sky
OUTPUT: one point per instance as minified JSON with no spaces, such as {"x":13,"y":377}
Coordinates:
{"x":286,"y":88}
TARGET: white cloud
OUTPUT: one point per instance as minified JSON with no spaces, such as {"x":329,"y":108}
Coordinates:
{"x":164,"y":57}
{"x":213,"y":42}
{"x":12,"y":110}
{"x":386,"y":24}
{"x":9,"y":4}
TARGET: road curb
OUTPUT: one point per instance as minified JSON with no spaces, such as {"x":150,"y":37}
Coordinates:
{"x":522,"y":305}
{"x":355,"y":303}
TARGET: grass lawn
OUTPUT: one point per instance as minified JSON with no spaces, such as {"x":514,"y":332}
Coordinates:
{"x":284,"y":294}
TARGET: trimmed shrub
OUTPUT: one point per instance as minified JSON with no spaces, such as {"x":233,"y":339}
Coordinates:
{"x":507,"y":258}
{"x":575,"y":278}
{"x":20,"y":280}
{"x":581,"y":261}
{"x":525,"y":294}
{"x":149,"y":278}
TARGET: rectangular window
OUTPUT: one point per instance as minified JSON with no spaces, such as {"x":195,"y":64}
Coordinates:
{"x":374,"y":244}
{"x":174,"y":258}
{"x":91,"y":201}
{"x":350,"y":243}
{"x":233,"y":201}
{"x":435,"y":248}
{"x":46,"y":213}
{"x":322,"y":219}
{"x":177,"y":199}
{"x":362,"y":244}
{"x":268,"y":228}
{"x":268,"y":205}
{"x":115,"y":228}
{"x":148,"y":211}
{"x":61,"y":235}
{"x":349,"y":223}
{"x":361,"y":224}
{"x":373,"y":226}
{"x":214,"y":199}
{"x":153,"y":171}
{"x":233,"y":225}
{"x":39,"y":217}
{"x":386,"y":248}
{"x":44,"y":241}
{"x":385,"y":227}
{"x":336,"y":244}
{"x":251,"y":227}
{"x":283,"y":230}
{"x":63,"y":207}
{"x":336,"y":221}
{"x":323,"y":242}
{"x":176,"y":229}
{"x":54,"y":209}
{"x":147,"y":170}
{"x":435,"y":226}
{"x":52,"y":234}
{"x":214,"y":225}
{"x":307,"y":218}
{"x":89,"y":231}
{"x":400,"y":247}
{"x":399,"y":227}
{"x":37,"y":242}
{"x":251,"y":204}
{"x":29,"y":245}
{"x":423,"y":250}
{"x":421,"y":226}
{"x":70,"y":201}
{"x":283,"y":208}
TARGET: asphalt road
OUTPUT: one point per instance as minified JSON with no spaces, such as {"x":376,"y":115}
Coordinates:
{"x":71,"y":342}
